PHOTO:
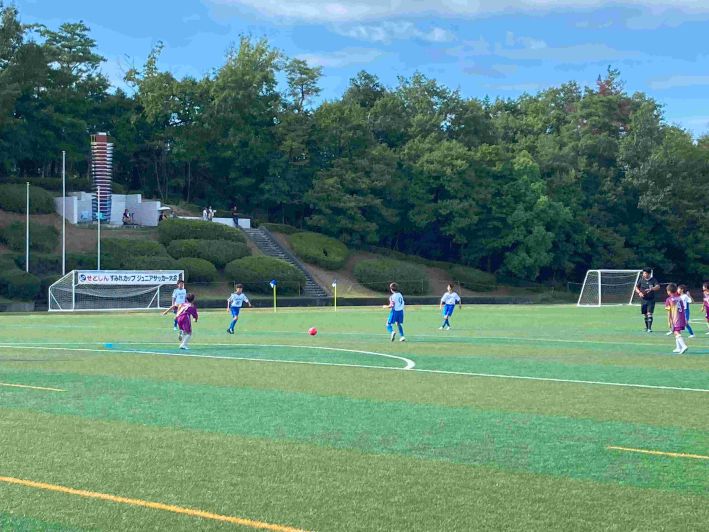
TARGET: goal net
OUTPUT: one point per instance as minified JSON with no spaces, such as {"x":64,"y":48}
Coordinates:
{"x":609,"y":287}
{"x":113,"y":290}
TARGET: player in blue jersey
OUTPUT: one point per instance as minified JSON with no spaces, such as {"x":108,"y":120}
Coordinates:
{"x":234,"y":304}
{"x":448,"y":303}
{"x":396,"y":312}
{"x":179,"y":296}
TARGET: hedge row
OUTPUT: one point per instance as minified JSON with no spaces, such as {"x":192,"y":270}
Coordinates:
{"x":473,"y":279}
{"x":132,"y":247}
{"x":13,"y":198}
{"x":197,"y":270}
{"x":319,"y":249}
{"x":177,"y":229}
{"x":376,"y":274}
{"x":43,"y":238}
{"x":281,"y":228}
{"x":257,"y":272}
{"x":218,"y":252}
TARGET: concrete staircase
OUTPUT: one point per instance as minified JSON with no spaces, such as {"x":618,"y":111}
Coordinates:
{"x":266,"y":242}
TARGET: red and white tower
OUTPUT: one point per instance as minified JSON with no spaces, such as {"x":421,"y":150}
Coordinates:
{"x":101,"y":170}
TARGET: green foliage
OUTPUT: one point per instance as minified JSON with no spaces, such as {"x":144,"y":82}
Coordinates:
{"x":13,"y":198}
{"x":539,"y":187}
{"x":17,"y":284}
{"x":472,"y":278}
{"x":43,"y":238}
{"x":177,"y":229}
{"x":256,"y":273}
{"x":152,"y":263}
{"x":319,"y":249}
{"x":281,"y":228}
{"x":197,"y":270}
{"x":377,"y":274}
{"x":41,"y":263}
{"x":80,"y":261}
{"x":129,"y":247}
{"x":218,"y":252}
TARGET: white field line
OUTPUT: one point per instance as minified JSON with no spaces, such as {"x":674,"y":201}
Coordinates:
{"x":409,"y":364}
{"x":430,"y":371}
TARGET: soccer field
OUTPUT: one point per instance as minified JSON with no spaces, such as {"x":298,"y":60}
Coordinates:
{"x":520,"y":417}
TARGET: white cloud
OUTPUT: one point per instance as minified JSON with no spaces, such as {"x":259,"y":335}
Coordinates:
{"x":341,"y":58}
{"x":672,"y":82}
{"x":386,"y":32}
{"x":579,"y":53}
{"x":361,"y":10}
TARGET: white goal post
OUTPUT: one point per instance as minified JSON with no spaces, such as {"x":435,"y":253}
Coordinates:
{"x":609,"y":287}
{"x":106,"y":290}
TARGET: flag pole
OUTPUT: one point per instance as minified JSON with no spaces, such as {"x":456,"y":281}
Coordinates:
{"x":98,"y":219}
{"x":63,"y":212}
{"x":27,"y":231}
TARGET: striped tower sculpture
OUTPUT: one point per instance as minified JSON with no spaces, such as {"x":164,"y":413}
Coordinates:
{"x":101,"y":167}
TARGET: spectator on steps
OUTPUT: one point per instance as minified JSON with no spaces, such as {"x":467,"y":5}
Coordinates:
{"x":205,"y":215}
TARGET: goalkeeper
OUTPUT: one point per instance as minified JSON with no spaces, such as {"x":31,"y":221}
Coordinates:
{"x":646,"y":288}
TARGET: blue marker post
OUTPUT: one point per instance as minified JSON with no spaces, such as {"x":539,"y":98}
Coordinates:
{"x":273,"y":284}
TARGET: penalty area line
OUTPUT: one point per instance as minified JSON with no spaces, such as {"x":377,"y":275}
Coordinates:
{"x":27,"y":386}
{"x":251,"y":523}
{"x":658,"y":453}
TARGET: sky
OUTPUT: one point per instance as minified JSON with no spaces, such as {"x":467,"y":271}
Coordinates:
{"x":498,"y":48}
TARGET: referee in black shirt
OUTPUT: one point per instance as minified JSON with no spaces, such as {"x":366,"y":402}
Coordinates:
{"x":646,"y":288}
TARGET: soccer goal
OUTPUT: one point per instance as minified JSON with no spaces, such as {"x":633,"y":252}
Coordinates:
{"x":609,"y":287}
{"x":113,"y":290}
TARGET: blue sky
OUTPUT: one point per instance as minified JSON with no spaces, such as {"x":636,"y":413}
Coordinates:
{"x":498,"y":48}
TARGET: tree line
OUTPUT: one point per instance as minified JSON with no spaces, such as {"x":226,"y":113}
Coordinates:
{"x":540,"y":187}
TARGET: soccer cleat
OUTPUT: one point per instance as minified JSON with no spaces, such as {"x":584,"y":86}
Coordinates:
{"x":393,"y":335}
{"x":691,"y":336}
{"x":448,"y":327}
{"x":402,"y":339}
{"x":184,"y":347}
{"x":441,"y":328}
{"x":675,"y":350}
{"x":174,"y":328}
{"x":230,"y":331}
{"x":683,"y":350}
{"x":649,"y":330}
{"x":668,"y":333}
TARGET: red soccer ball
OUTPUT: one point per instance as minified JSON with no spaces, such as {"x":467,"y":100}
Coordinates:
{"x":312,"y":331}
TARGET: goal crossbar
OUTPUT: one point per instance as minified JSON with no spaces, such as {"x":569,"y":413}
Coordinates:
{"x":110,"y":290}
{"x":608,"y":287}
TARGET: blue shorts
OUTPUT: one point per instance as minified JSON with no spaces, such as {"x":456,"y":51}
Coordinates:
{"x":395,"y":316}
{"x":448,"y":310}
{"x":235,"y":311}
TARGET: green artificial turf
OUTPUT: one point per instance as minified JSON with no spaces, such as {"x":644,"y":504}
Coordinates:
{"x":326,"y":433}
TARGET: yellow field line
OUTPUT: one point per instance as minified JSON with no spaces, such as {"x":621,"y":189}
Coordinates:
{"x":154,"y":505}
{"x":31,"y":387}
{"x":659,"y":453}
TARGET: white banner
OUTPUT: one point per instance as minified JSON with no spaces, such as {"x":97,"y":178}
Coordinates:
{"x":127,"y":277}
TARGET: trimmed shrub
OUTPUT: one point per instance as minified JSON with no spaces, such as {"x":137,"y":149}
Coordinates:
{"x":44,"y":283}
{"x":151,"y":263}
{"x":41,"y":264}
{"x":281,"y":228}
{"x":13,"y":198}
{"x":17,"y":284}
{"x":197,"y":270}
{"x":43,"y":238}
{"x":177,"y":229}
{"x":319,"y":249}
{"x":256,"y":273}
{"x":80,"y":261}
{"x":376,"y":274}
{"x":218,"y":252}
{"x":473,"y":279}
{"x":8,"y":262}
{"x":129,"y":247}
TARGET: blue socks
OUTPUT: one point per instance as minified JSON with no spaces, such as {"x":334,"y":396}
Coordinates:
{"x":233,"y":324}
